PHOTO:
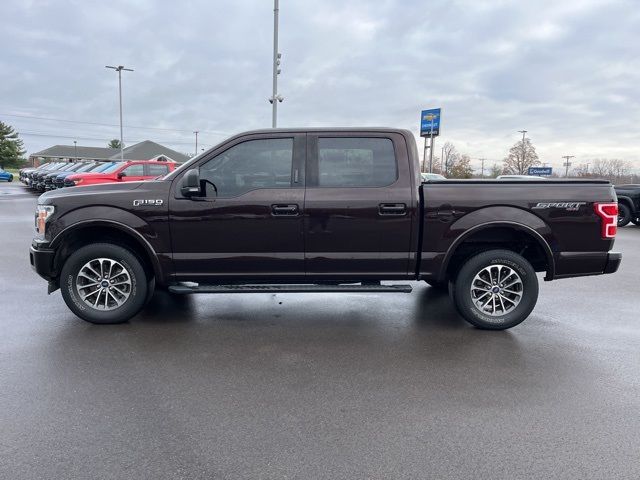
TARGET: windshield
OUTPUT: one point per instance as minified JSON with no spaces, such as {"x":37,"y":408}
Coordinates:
{"x":101,"y":167}
{"x":111,"y":168}
{"x":85,"y":167}
{"x":191,"y":161}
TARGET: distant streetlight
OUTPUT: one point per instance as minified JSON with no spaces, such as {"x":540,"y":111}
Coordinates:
{"x":567,"y":164}
{"x":75,"y":149}
{"x":119,"y":69}
{"x":275,"y":98}
{"x":196,"y":132}
{"x":523,"y":132}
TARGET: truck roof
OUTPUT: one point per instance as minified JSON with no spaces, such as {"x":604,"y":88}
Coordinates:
{"x":401,"y":131}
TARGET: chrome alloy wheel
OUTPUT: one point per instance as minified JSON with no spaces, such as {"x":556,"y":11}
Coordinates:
{"x":496,"y":290}
{"x":103,"y":284}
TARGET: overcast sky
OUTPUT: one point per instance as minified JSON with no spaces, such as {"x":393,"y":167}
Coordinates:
{"x":568,"y":71}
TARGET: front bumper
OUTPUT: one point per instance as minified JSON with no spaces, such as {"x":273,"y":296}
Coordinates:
{"x":42,"y":260}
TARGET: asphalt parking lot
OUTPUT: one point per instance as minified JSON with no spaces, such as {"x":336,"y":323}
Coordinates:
{"x":317,"y":385}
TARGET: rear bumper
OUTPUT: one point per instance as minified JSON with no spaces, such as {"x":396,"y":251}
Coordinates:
{"x":613,"y":262}
{"x":580,"y":264}
{"x":42,"y":261}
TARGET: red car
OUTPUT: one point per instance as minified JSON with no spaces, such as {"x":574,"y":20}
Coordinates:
{"x":130,"y":171}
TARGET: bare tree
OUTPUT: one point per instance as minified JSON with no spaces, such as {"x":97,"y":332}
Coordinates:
{"x":495,"y":171}
{"x":520,"y":158}
{"x":615,"y":170}
{"x":449,"y":158}
{"x":582,"y":170}
{"x":461,"y":168}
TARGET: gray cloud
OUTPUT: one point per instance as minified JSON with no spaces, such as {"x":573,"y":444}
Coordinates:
{"x":566,"y":71}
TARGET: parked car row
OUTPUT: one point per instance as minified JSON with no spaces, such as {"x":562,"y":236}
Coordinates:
{"x":55,"y":175}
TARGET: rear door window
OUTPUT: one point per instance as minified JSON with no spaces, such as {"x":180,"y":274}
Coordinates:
{"x":356,"y":162}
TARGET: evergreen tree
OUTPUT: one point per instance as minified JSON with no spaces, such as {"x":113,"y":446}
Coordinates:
{"x":11,"y":147}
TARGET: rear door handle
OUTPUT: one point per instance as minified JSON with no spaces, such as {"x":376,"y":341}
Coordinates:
{"x":284,"y":210}
{"x":392,"y":209}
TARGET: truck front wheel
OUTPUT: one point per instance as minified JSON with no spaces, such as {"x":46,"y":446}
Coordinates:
{"x":495,"y":290}
{"x":104,"y":283}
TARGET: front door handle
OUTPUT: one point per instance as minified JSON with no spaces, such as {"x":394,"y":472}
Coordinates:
{"x":284,"y":210}
{"x":392,"y":209}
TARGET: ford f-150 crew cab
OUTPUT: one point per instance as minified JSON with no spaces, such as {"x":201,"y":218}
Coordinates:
{"x":339,"y":210}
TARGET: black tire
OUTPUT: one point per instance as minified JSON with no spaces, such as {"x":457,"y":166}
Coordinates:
{"x":624,"y":215}
{"x":11,"y":178}
{"x":137,"y":290}
{"x":464,"y":302}
{"x":443,"y":286}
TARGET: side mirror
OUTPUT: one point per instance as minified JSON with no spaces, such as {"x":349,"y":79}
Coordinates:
{"x":190,"y":186}
{"x":121,"y":175}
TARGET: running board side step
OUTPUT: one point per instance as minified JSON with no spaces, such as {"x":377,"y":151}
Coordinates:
{"x":184,"y":289}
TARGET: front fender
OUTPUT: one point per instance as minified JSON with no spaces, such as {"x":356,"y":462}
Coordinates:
{"x":627,"y":201}
{"x":144,"y":232}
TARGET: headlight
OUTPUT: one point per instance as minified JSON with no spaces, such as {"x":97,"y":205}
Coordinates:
{"x":43,"y":212}
{"x":77,"y":181}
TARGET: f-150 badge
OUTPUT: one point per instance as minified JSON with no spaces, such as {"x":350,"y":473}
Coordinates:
{"x":152,"y":203}
{"x":570,"y":206}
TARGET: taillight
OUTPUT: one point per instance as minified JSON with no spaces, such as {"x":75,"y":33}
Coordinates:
{"x":608,"y":213}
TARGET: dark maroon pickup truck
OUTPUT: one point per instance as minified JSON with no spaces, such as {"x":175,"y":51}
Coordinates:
{"x":320,"y":210}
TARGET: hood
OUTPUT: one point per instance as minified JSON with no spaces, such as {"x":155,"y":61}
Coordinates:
{"x":88,"y":191}
{"x":75,"y":175}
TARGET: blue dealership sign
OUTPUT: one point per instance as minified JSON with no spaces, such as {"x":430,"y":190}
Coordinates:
{"x":430,"y":123}
{"x":540,"y":170}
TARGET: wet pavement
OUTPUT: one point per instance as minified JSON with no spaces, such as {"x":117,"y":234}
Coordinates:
{"x":317,"y":385}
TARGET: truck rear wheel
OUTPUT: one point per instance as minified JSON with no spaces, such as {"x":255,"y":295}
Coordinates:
{"x":104,"y":283}
{"x":624,"y":215}
{"x":495,"y":290}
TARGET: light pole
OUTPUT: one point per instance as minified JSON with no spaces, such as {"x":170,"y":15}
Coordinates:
{"x":275,"y":98}
{"x":196,"y":132}
{"x":567,"y":164}
{"x":482,"y":167}
{"x":75,"y":150}
{"x":119,"y":69}
{"x":523,"y":132}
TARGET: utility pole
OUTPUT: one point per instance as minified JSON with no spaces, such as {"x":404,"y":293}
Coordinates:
{"x":275,"y":98}
{"x":523,"y":132}
{"x":424,"y":156}
{"x":119,"y":69}
{"x":196,"y":132}
{"x":567,"y":164}
{"x":587,"y":172}
{"x":482,"y":167}
{"x":75,"y":149}
{"x":442,"y":160}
